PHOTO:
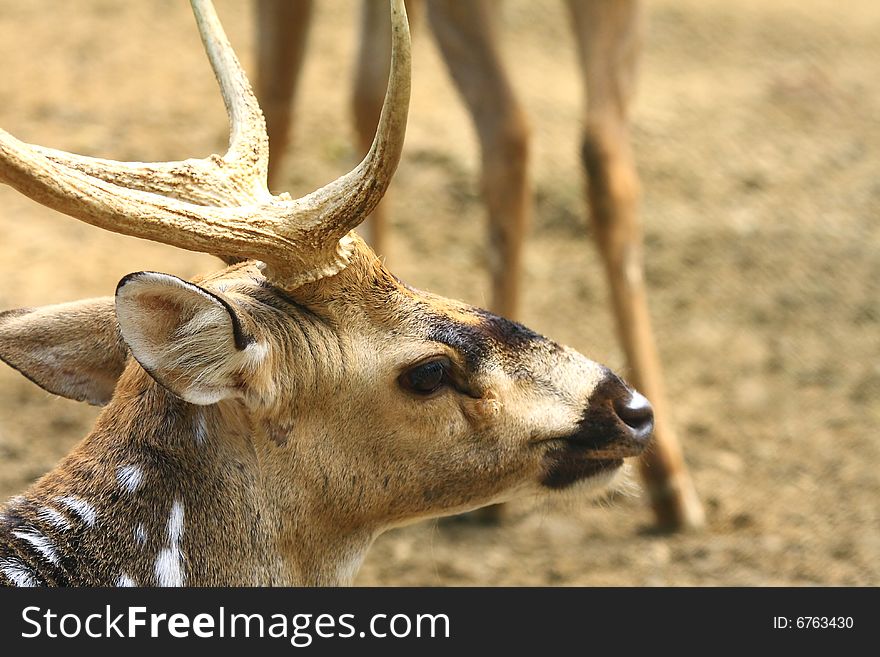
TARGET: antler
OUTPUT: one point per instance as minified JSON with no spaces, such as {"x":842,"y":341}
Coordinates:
{"x":222,"y":205}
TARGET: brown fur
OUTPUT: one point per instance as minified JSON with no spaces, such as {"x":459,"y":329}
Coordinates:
{"x":34,"y":336}
{"x":266,"y":428}
{"x":608,"y":35}
{"x":318,"y":449}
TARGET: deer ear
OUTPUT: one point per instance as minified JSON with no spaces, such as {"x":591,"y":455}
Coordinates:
{"x":190,"y":340}
{"x":71,"y":349}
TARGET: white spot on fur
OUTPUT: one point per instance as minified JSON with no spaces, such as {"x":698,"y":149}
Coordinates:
{"x":129,"y":477}
{"x":18,"y":573}
{"x":175,"y":523}
{"x":140,"y":535}
{"x":169,"y":570}
{"x":83,"y":509}
{"x":169,"y":563}
{"x":53,"y":517}
{"x":200,"y":427}
{"x":40,"y":543}
{"x":124,"y":580}
{"x":256,"y":352}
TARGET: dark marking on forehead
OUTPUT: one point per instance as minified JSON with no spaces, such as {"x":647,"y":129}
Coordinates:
{"x":467,"y":340}
{"x":488,"y":336}
{"x":510,"y":333}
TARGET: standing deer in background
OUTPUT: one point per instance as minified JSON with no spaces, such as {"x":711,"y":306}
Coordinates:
{"x":608,"y":35}
{"x":278,"y":415}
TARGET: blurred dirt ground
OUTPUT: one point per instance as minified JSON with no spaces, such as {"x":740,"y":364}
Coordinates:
{"x":757,"y":130}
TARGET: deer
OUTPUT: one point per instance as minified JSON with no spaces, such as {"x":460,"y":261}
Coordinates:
{"x":608,"y":34}
{"x":262,"y":424}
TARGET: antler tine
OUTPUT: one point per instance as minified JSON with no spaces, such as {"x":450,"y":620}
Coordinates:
{"x":248,"y":140}
{"x":343,"y":204}
{"x":242,"y":174}
{"x":221,"y":205}
{"x":184,"y":180}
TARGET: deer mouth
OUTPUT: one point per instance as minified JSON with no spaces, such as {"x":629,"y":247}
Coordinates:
{"x":617,"y":423}
{"x":589,"y":452}
{"x":570,"y":462}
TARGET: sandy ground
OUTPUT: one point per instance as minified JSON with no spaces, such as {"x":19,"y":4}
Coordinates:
{"x":757,"y":129}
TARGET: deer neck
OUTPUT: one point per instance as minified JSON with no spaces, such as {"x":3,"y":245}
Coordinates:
{"x":167,"y":493}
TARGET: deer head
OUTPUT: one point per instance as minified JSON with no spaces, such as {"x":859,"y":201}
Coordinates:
{"x":274,"y":417}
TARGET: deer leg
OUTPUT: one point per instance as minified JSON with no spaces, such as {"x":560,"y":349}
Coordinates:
{"x":371,"y":80}
{"x":608,"y":36}
{"x":468,"y":43}
{"x":282,"y":31}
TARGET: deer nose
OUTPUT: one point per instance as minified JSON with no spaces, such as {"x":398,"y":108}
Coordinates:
{"x":637,"y":414}
{"x":618,"y":420}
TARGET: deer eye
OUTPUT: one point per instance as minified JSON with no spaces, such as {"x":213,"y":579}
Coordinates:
{"x":426,"y":378}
